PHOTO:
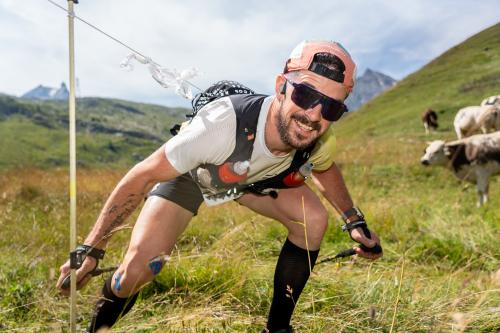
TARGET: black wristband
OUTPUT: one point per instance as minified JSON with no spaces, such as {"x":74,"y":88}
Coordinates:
{"x":353,"y":211}
{"x":354,"y":225}
{"x":77,"y":256}
{"x":91,"y":251}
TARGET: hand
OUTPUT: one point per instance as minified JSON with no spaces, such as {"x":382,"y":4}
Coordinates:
{"x":82,"y":274}
{"x":359,"y":236}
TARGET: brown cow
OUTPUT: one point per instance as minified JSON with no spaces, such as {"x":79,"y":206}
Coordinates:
{"x":429,"y":119}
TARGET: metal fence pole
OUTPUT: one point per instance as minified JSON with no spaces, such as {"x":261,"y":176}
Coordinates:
{"x":72,"y":160}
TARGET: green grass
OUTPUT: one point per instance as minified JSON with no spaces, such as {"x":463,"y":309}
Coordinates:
{"x":219,"y":277}
{"x":462,"y":76}
{"x":441,"y":266}
{"x":109,"y":132}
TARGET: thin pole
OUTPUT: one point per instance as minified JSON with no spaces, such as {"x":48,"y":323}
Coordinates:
{"x":72,"y":160}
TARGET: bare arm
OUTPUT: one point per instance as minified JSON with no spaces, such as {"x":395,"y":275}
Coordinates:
{"x":331,"y":184}
{"x":128,"y":194}
{"x":124,"y":199}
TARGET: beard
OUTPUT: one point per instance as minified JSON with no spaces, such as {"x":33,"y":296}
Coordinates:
{"x":295,"y":140}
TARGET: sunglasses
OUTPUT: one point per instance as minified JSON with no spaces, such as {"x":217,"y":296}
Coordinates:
{"x":306,"y":97}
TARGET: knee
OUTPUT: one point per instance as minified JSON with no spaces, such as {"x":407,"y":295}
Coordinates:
{"x":132,"y":274}
{"x":317,"y":224}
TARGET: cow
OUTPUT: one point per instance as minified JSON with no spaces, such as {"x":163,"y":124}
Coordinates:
{"x":473,"y":119}
{"x":492,"y":100}
{"x":429,"y":119}
{"x":473,"y":159}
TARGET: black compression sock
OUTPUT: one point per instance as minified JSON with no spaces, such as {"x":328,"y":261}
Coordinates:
{"x":109,"y":308}
{"x":290,"y":277}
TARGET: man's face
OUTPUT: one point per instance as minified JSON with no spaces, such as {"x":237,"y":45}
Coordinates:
{"x":298,"y":127}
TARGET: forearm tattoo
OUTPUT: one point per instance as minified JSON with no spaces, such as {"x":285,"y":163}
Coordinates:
{"x":119,"y":213}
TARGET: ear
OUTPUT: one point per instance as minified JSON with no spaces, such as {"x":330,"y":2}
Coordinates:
{"x":280,"y":86}
{"x":283,"y":88}
{"x":451,"y":149}
{"x":455,"y":143}
{"x":447,"y":151}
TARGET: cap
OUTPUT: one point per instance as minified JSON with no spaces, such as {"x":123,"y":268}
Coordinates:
{"x":303,"y":54}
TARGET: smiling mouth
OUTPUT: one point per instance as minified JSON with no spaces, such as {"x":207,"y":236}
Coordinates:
{"x":303,"y":126}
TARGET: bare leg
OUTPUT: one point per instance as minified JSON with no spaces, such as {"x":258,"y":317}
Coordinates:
{"x":299,"y":253}
{"x":155,"y":233}
{"x":288,"y":210}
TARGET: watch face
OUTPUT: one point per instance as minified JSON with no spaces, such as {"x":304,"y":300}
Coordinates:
{"x":359,"y":213}
{"x":353,"y":212}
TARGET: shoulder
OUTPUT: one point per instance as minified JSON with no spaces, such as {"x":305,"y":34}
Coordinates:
{"x":219,"y":109}
{"x":216,"y":118}
{"x":327,"y":143}
{"x":246,"y":104}
{"x":324,"y":152}
{"x":226,"y":108}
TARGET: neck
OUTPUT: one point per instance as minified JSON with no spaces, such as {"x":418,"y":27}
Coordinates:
{"x":272,"y":138}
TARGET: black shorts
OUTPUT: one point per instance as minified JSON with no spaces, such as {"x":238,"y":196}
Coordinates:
{"x":182,"y":191}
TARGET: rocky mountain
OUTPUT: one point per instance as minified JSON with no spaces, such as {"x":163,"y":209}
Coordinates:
{"x":368,"y":86}
{"x":48,"y":93}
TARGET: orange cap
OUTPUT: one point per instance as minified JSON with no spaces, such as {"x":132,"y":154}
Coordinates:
{"x":303,"y":54}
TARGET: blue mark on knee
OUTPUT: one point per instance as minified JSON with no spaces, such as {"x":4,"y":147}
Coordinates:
{"x":118,"y":279}
{"x":156,"y":264}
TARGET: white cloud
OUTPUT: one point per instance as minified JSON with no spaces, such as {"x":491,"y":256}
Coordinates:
{"x":246,"y":41}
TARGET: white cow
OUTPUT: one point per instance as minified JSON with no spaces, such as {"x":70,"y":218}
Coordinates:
{"x":474,"y":119}
{"x":473,"y":159}
{"x":492,"y":100}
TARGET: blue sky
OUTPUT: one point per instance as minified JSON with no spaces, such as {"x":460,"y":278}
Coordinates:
{"x":247,"y":41}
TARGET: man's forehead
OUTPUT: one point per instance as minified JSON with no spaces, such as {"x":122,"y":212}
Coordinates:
{"x":320,"y":83}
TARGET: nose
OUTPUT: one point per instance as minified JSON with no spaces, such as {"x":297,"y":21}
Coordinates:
{"x":424,"y":162}
{"x":314,"y":113}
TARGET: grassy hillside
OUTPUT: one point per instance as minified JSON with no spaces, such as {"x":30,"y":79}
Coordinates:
{"x":462,"y":76}
{"x":34,"y":133}
{"x":441,"y":266}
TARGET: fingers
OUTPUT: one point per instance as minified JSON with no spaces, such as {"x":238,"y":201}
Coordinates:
{"x":64,"y":269}
{"x":368,"y":255}
{"x":82,"y":275}
{"x":83,"y":281}
{"x":358,"y":236}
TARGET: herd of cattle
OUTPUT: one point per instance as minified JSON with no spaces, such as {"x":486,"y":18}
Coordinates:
{"x":473,"y":157}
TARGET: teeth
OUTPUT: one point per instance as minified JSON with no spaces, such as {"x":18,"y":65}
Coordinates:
{"x":304,"y":126}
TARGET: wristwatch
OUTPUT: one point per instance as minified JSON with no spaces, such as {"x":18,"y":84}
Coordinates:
{"x":78,"y":255}
{"x":354,"y":218}
{"x":353,"y":214}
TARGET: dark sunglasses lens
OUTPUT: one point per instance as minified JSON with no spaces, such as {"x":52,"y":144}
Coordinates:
{"x":304,"y":97}
{"x":332,"y":110}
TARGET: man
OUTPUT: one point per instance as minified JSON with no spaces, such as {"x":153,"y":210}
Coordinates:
{"x":278,"y":139}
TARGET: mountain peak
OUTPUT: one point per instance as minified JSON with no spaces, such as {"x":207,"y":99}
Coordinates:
{"x":368,"y":86}
{"x":46,"y":93}
{"x":368,"y":71}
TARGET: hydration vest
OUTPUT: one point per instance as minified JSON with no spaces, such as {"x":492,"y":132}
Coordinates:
{"x":220,"y":183}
